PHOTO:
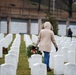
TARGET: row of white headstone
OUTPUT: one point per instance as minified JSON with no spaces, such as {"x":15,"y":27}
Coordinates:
{"x":5,"y":42}
{"x":66,"y":53}
{"x":11,"y":59}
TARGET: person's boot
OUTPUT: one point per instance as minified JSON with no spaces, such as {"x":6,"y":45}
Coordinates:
{"x":48,"y":69}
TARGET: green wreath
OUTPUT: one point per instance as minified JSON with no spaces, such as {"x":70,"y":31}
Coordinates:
{"x":29,"y":51}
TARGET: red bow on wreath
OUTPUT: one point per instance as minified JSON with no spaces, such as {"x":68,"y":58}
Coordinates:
{"x":34,"y":51}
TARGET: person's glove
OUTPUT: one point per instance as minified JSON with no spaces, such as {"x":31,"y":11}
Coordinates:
{"x":56,"y":49}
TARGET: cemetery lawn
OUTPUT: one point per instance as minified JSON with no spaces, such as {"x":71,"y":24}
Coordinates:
{"x":23,"y":65}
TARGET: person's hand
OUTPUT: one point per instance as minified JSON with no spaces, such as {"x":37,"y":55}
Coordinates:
{"x":56,"y":49}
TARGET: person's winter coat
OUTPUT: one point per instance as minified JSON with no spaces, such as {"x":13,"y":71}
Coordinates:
{"x":45,"y":38}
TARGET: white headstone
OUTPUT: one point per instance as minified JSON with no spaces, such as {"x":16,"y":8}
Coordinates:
{"x":58,"y":64}
{"x":71,"y":57}
{"x":13,"y":52}
{"x":11,"y":58}
{"x":35,"y":58}
{"x":28,"y":40}
{"x":8,"y":40}
{"x":15,"y":47}
{"x":16,"y":44}
{"x":51,"y":60}
{"x":72,"y":47}
{"x":34,"y":38}
{"x":70,"y":69}
{"x":65,"y":53}
{"x":39,"y":69}
{"x":8,"y":69}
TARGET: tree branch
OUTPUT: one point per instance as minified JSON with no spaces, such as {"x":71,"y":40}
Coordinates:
{"x":66,"y":2}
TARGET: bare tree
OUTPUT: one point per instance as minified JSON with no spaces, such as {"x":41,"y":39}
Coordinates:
{"x":66,"y":5}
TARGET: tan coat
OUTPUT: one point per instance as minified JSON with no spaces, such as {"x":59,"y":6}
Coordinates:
{"x":46,"y":36}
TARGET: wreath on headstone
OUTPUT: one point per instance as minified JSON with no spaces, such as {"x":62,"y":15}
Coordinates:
{"x":31,"y":49}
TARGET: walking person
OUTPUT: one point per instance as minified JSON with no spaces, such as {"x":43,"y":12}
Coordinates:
{"x":46,"y":37}
{"x":70,"y":33}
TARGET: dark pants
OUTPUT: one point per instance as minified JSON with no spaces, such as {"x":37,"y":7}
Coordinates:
{"x":46,"y":58}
